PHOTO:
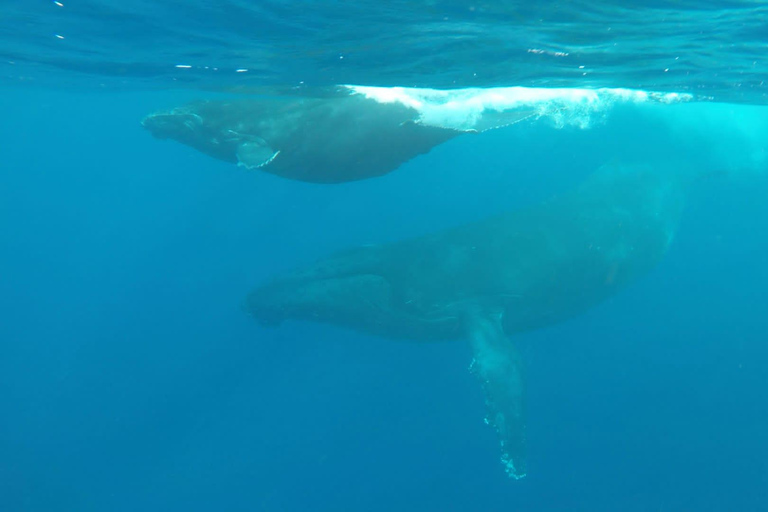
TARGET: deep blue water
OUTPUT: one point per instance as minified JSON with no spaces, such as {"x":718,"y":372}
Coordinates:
{"x":131,"y":379}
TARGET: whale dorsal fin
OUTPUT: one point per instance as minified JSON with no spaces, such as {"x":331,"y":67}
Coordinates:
{"x":254,"y":154}
{"x":497,"y":364}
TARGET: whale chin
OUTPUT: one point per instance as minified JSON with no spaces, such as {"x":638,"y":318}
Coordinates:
{"x":355,"y":300}
{"x":172,"y":124}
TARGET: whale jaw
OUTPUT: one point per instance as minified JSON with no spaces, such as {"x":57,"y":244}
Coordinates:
{"x":353,"y":300}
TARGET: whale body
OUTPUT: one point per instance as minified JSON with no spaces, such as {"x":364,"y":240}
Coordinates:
{"x":491,"y":279}
{"x":339,"y":138}
{"x":321,"y":140}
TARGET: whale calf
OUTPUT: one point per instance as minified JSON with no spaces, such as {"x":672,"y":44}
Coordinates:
{"x":491,"y":279}
{"x":342,"y":137}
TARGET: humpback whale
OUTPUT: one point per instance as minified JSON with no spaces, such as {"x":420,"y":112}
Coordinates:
{"x":341,"y":137}
{"x":489,"y":280}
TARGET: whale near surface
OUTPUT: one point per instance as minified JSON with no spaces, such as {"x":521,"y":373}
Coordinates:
{"x":356,"y":132}
{"x":321,"y":140}
{"x":491,"y":279}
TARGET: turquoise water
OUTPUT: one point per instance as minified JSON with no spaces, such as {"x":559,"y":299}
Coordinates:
{"x":132,"y":380}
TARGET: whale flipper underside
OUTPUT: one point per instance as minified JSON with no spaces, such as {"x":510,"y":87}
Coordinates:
{"x":497,"y":363}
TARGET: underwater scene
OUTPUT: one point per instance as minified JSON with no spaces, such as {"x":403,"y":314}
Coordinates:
{"x":445,"y":255}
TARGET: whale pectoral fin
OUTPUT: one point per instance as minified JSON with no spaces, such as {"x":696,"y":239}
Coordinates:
{"x":499,"y":367}
{"x":255,"y":154}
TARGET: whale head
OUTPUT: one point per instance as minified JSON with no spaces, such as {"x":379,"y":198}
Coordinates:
{"x":177,"y":123}
{"x":201,"y":126}
{"x":345,"y":289}
{"x":190,"y":125}
{"x":355,"y":300}
{"x":368,"y":289}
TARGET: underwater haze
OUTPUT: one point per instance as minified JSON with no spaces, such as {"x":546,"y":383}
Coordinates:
{"x":133,"y":378}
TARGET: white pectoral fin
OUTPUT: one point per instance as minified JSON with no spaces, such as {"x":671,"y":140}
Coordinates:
{"x":498,"y":366}
{"x":254,"y":154}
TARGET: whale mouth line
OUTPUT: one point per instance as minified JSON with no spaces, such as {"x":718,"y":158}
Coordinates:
{"x":169,"y":119}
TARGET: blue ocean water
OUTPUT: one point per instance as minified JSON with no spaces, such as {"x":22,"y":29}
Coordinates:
{"x":132,"y":380}
{"x":706,"y":47}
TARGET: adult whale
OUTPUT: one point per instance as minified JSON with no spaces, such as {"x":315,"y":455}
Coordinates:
{"x":487,"y":280}
{"x":342,"y":136}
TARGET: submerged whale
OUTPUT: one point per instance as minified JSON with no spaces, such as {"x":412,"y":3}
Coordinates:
{"x":491,"y":279}
{"x":342,"y":137}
